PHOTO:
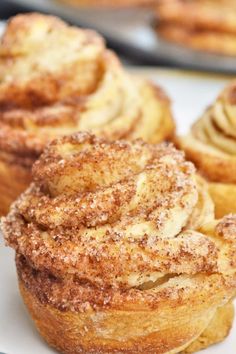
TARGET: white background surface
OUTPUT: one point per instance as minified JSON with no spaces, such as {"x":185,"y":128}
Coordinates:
{"x":190,"y":95}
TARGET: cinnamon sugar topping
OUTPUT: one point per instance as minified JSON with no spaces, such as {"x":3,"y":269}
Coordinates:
{"x":113,"y":214}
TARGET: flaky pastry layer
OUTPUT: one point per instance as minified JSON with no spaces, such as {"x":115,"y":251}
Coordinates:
{"x":74,"y":333}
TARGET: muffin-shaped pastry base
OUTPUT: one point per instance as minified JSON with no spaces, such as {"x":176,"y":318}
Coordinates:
{"x":74,"y":333}
{"x":130,"y":329}
{"x":211,"y":146}
{"x":117,"y":249}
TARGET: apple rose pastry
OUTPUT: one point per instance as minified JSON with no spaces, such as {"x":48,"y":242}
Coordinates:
{"x":117,"y":250}
{"x":206,"y":25}
{"x":56,"y":80}
{"x":211,"y":145}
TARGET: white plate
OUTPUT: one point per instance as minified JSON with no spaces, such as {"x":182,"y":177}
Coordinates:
{"x":190,"y":95}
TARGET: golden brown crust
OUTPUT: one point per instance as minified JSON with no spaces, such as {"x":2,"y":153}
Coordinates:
{"x":99,"y":243}
{"x":211,"y":146}
{"x":57,"y":79}
{"x":204,"y":25}
{"x":63,"y":329}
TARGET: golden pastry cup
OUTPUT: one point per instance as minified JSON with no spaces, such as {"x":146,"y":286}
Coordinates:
{"x":73,"y":333}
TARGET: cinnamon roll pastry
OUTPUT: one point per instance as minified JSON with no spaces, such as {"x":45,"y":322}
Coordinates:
{"x":56,"y":80}
{"x":211,"y":145}
{"x":117,"y":250}
{"x":207,"y":25}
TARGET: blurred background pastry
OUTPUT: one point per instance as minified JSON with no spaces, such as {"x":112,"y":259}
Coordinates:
{"x":206,"y":25}
{"x":57,"y":79}
{"x":211,"y":145}
{"x":110,"y":260}
{"x":110,"y":4}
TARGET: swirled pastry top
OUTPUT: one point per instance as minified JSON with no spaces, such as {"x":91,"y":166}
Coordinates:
{"x":211,"y":144}
{"x":118,"y":215}
{"x":56,"y":79}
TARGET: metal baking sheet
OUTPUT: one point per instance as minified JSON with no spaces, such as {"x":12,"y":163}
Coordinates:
{"x":130,"y":31}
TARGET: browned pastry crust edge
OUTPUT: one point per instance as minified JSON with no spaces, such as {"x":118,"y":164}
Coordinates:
{"x":77,"y":337}
{"x":51,"y":323}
